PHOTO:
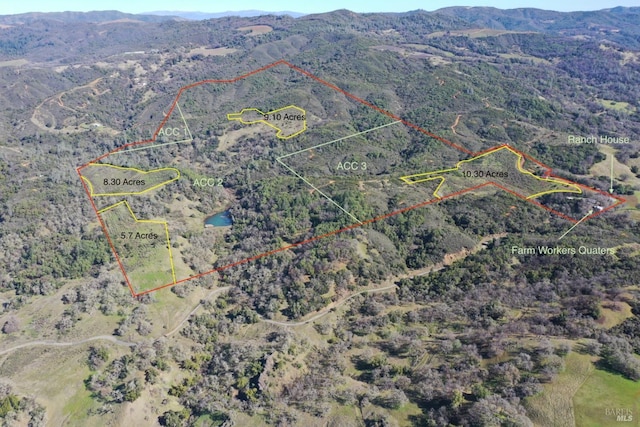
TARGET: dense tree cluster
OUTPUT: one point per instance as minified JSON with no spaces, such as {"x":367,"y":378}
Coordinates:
{"x":15,"y":408}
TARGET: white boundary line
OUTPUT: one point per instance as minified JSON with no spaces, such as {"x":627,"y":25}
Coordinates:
{"x":186,"y":126}
{"x":339,"y":139}
{"x":184,"y":121}
{"x":150,"y":146}
{"x":279,"y":160}
{"x":318,"y":190}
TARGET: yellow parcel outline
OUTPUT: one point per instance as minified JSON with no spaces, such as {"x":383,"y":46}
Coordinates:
{"x":130,"y":193}
{"x":148,"y":221}
{"x":238,"y":117}
{"x":408,"y":179}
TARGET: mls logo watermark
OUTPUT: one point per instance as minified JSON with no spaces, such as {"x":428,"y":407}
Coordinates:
{"x":620,"y":414}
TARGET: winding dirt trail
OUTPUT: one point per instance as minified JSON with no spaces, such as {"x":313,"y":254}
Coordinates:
{"x":39,"y":343}
{"x":327,"y":309}
{"x":40,"y":111}
{"x":453,"y":126}
{"x":110,"y":338}
{"x":387,"y":285}
{"x":195,"y":309}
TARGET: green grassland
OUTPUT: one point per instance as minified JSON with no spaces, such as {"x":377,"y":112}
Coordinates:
{"x":617,"y":105}
{"x":142,"y":248}
{"x":67,"y":400}
{"x":554,"y":406}
{"x":605,"y":390}
{"x":38,"y":320}
{"x":581,"y":394}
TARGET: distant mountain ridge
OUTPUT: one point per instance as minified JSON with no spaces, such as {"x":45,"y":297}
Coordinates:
{"x":36,"y":36}
{"x":530,"y":19}
{"x":114,"y":15}
{"x":198,"y":16}
{"x":522,"y":19}
{"x":82,"y":17}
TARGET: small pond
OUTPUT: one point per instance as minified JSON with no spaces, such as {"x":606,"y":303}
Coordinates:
{"x":221,"y":219}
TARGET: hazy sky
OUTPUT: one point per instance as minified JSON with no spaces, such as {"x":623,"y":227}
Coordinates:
{"x":305,"y":6}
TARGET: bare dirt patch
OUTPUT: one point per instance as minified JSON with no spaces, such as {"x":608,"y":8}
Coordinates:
{"x":524,"y":57}
{"x":476,"y":33}
{"x":231,"y":137}
{"x":14,"y":63}
{"x":410,"y":53}
{"x":256,"y":30}
{"x":121,"y":21}
{"x":207,"y":51}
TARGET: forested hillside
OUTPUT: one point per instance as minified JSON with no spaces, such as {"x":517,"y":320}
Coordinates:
{"x":427,"y":311}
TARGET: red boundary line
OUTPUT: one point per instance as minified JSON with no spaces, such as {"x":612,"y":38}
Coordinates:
{"x":104,"y":228}
{"x":173,"y":106}
{"x":548,"y":173}
{"x":314,"y":238}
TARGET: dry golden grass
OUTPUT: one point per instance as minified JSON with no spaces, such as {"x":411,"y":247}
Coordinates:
{"x":206,"y":51}
{"x":554,"y":406}
{"x":620,"y":170}
{"x":476,"y":33}
{"x":231,"y":137}
{"x":13,"y":63}
{"x":614,"y":313}
{"x":256,"y":30}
